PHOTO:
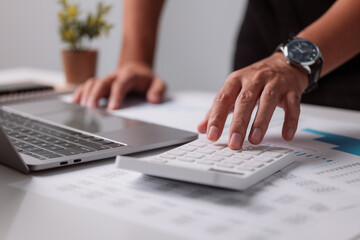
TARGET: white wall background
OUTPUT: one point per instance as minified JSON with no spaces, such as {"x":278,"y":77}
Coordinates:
{"x":195,"y":45}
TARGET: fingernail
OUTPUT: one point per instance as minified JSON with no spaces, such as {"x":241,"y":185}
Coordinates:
{"x":256,"y":135}
{"x":155,"y":98}
{"x":91,"y":103}
{"x":111,"y":105}
{"x":235,"y":141}
{"x":290,"y":134}
{"x":202,"y":128}
{"x":213,"y":133}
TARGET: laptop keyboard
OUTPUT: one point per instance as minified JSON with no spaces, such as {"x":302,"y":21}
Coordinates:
{"x":44,"y":141}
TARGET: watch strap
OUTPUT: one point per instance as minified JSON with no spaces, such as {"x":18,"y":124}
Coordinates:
{"x":314,"y":75}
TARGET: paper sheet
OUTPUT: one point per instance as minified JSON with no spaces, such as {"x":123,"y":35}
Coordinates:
{"x":317,"y":197}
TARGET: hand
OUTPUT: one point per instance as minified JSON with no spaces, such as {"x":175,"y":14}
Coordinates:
{"x":130,"y":77}
{"x":271,"y":82}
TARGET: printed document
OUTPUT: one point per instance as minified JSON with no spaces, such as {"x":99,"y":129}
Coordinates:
{"x":317,"y":197}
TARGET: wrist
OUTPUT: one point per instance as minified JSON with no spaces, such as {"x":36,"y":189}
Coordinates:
{"x":297,"y":74}
{"x":284,"y":62}
{"x":136,"y":51}
{"x":134,"y":62}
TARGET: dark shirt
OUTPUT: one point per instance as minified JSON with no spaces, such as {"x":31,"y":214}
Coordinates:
{"x":268,"y":23}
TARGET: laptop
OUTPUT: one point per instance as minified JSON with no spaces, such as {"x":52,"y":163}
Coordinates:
{"x":51,"y":133}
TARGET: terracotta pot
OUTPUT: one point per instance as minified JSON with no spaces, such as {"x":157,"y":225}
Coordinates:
{"x":79,"y":65}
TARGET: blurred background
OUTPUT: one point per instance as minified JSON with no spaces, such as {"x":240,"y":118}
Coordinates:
{"x":195,"y":43}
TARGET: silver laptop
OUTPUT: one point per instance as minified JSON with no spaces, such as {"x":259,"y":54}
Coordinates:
{"x":51,"y":133}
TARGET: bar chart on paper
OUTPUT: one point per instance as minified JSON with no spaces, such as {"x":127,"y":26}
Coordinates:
{"x":346,"y":171}
{"x":344,"y":143}
{"x":339,"y":165}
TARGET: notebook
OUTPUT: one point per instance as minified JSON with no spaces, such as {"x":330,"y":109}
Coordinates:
{"x":27,"y":90}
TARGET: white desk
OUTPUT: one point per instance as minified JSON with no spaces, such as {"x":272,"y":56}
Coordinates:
{"x":26,"y":214}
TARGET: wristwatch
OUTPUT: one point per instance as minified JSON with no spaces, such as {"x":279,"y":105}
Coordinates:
{"x":304,"y":55}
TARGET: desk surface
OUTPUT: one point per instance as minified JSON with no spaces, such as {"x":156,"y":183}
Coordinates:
{"x":28,"y":214}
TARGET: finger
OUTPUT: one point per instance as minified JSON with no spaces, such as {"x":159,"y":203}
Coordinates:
{"x":77,"y":94}
{"x":292,"y":113}
{"x":269,"y":99}
{"x":203,"y":124}
{"x":86,"y":91}
{"x":100,"y":89}
{"x":222,"y":103}
{"x":243,"y":109}
{"x":156,"y":90}
{"x":118,"y":91}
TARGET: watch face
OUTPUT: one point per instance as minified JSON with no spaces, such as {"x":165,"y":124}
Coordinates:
{"x":302,"y":51}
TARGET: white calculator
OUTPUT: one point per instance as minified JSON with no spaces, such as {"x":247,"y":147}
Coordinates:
{"x":213,"y":163}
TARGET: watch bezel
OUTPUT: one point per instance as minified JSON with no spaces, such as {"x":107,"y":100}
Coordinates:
{"x":308,"y":63}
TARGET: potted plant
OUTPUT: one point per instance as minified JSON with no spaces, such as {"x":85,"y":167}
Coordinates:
{"x":79,"y":62}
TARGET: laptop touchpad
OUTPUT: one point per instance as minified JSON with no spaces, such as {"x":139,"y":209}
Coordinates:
{"x":73,"y":115}
{"x":90,"y":120}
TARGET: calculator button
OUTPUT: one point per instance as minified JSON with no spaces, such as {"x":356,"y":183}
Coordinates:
{"x":177,"y":152}
{"x":206,"y":162}
{"x":214,"y":158}
{"x":264,"y":159}
{"x":233,"y":161}
{"x":253,"y":164}
{"x":186,"y":159}
{"x":187,"y":148}
{"x":224,"y":154}
{"x":243,"y":156}
{"x":244,"y":168}
{"x":168,"y":156}
{"x":197,"y":144}
{"x":205,"y":150}
{"x":252,"y":152}
{"x":158,"y":160}
{"x":225,"y":165}
{"x":271,"y":154}
{"x":230,"y":150}
{"x":196,"y":155}
{"x":217,"y":146}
